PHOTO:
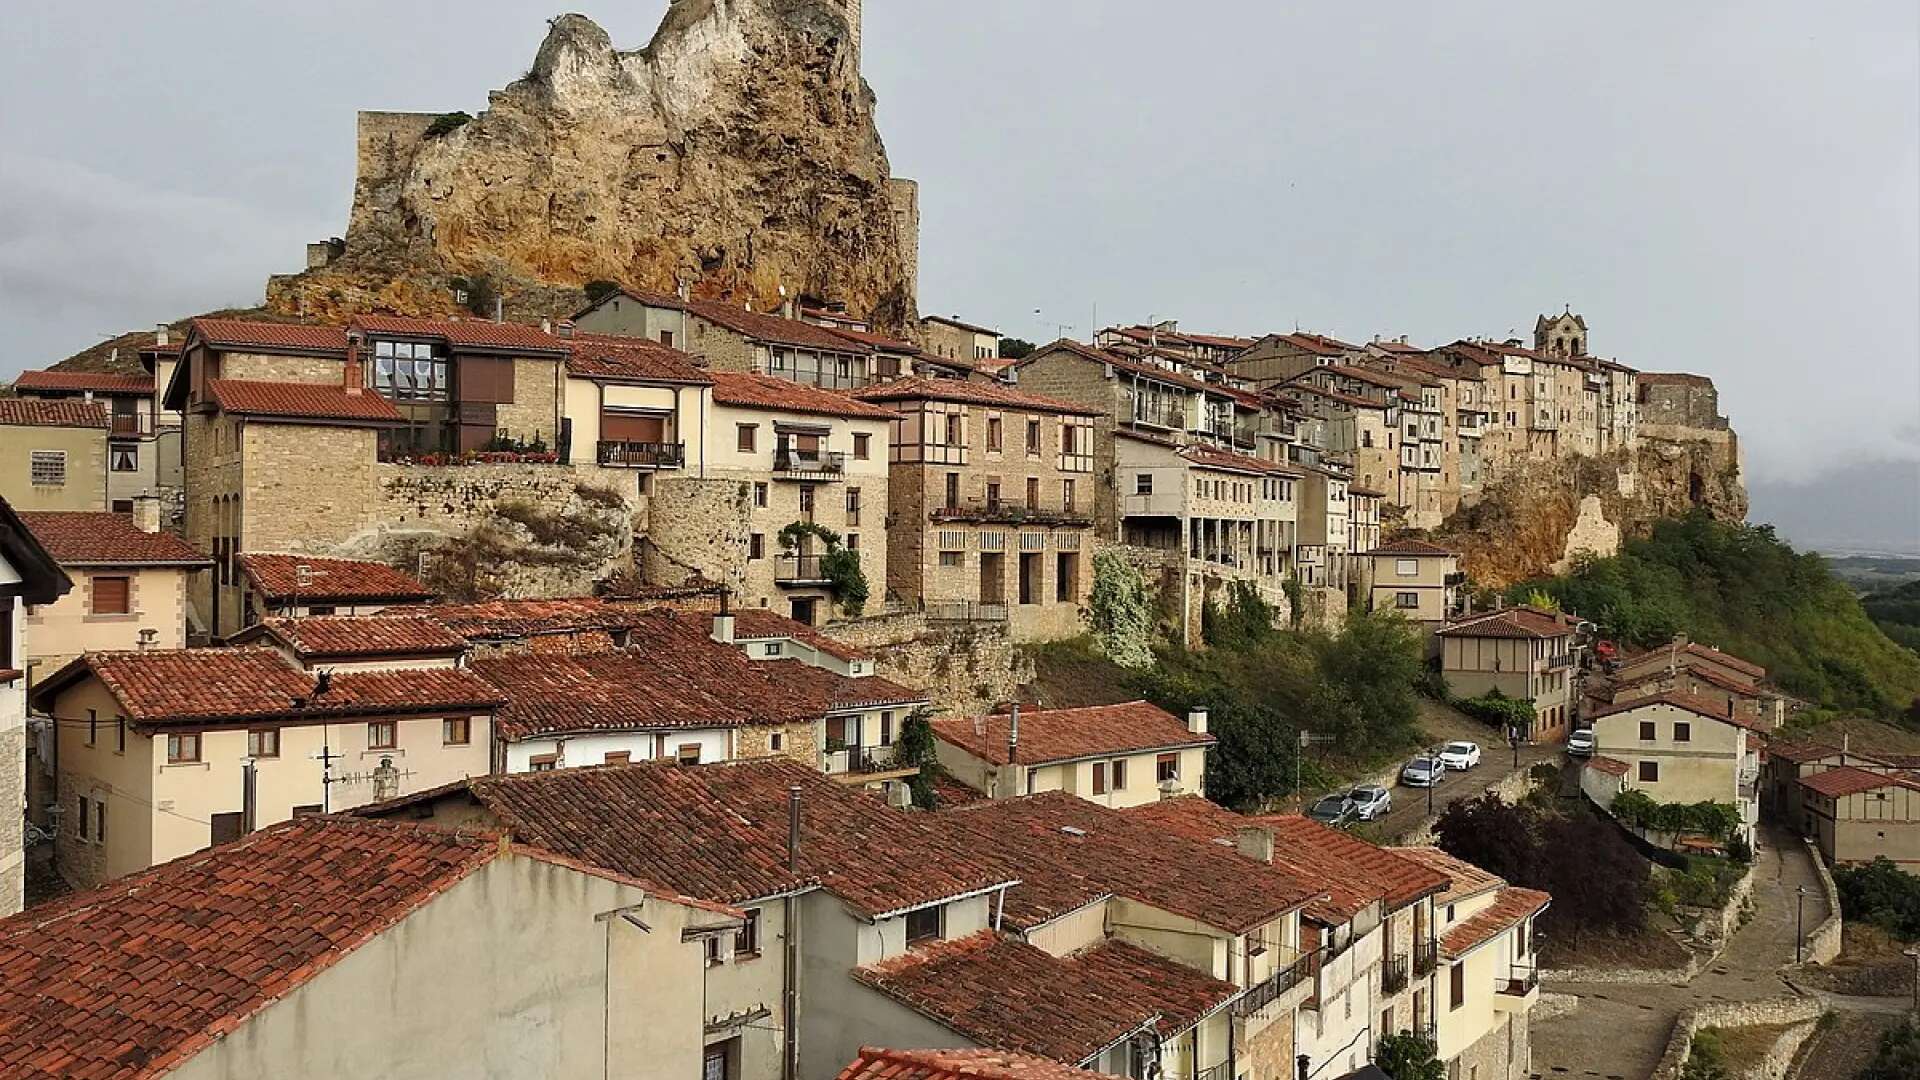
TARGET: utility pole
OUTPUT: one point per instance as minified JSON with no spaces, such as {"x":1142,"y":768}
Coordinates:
{"x":1799,"y":913}
{"x":249,"y":791}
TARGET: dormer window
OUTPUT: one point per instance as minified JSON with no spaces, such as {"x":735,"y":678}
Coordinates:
{"x":925,"y":925}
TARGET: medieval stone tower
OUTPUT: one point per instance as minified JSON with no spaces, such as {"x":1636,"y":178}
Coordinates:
{"x":1564,"y":334}
{"x":853,"y":28}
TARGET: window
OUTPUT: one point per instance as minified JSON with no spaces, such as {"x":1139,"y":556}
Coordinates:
{"x":1120,"y":775}
{"x":993,"y":434}
{"x":953,"y":429}
{"x":1406,"y":567}
{"x":777,"y":742}
{"x":1068,"y":445}
{"x":853,"y":541}
{"x":806,"y":498}
{"x":924,"y":924}
{"x":1143,"y":483}
{"x":1682,"y":732}
{"x":112,"y":595}
{"x":99,"y":821}
{"x":1033,"y":493}
{"x":543,"y":762}
{"x":993,"y":494}
{"x":1406,"y":600}
{"x":1099,"y":778}
{"x":80,"y":828}
{"x":853,"y":506}
{"x":124,"y":457}
{"x":617,"y":757}
{"x":1066,"y":495}
{"x":862,"y":446}
{"x":381,"y":735}
{"x":756,"y":546}
{"x":687,"y":754}
{"x":1647,"y":731}
{"x":93,"y":726}
{"x":49,"y":468}
{"x":953,"y":491}
{"x":409,"y":371}
{"x":760,"y":494}
{"x":263,"y":743}
{"x":1033,"y":436}
{"x":953,"y":558}
{"x":745,"y":437}
{"x":456,"y":731}
{"x":1166,"y":768}
{"x":746,"y":940}
{"x":183,"y":748}
{"x":886,"y":728}
{"x":1650,"y":772}
{"x":1456,"y":986}
{"x":666,"y":338}
{"x":775,"y":648}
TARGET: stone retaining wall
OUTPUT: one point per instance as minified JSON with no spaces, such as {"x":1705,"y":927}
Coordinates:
{"x":1730,"y":1015}
{"x":1511,"y":788}
{"x":1779,"y":1059}
{"x":965,"y":668}
{"x":1824,"y":943}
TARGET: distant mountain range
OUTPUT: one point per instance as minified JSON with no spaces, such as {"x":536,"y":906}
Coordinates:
{"x":1866,"y":508}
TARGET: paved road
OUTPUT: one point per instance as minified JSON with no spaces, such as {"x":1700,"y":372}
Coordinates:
{"x":1410,"y":804}
{"x":1621,"y":1031}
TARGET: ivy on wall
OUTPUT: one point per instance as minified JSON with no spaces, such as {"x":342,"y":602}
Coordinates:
{"x":841,"y":567}
{"x":1121,"y":612}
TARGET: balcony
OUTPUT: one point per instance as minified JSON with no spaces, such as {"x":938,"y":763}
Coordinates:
{"x":1426,"y":957}
{"x":1393,"y":974}
{"x":859,"y":761}
{"x":1003,"y":510}
{"x":966,"y":611}
{"x":1557,"y":663}
{"x":795,"y":465}
{"x":798,"y":571}
{"x":130,"y":425}
{"x":1518,"y":991}
{"x":1170,"y":417}
{"x":1270,"y":989}
{"x":825,"y":378}
{"x":641,"y":455}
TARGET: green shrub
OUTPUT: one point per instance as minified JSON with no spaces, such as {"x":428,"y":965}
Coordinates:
{"x":1499,"y":710}
{"x":1717,"y":820}
{"x":1882,"y":894}
{"x":1120,"y":612}
{"x":447,"y":123}
{"x":599,"y":290}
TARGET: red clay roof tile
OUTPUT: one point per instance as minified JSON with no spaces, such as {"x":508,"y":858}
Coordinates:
{"x":301,"y":401}
{"x":754,"y":624}
{"x":1464,"y":878}
{"x":329,"y":580}
{"x":1846,"y":780}
{"x":474,"y":333}
{"x":62,"y":412}
{"x":783,"y":395}
{"x":1693,"y":703}
{"x":1510,"y":906}
{"x":1408,"y":546}
{"x":1066,"y":734}
{"x":240,"y":334}
{"x":342,"y":637}
{"x":760,"y":326}
{"x":596,"y":356}
{"x":1514,"y":622}
{"x":1611,"y":766}
{"x":95,"y":538}
{"x":100,"y":382}
{"x":876,"y":1063}
{"x":991,"y":395}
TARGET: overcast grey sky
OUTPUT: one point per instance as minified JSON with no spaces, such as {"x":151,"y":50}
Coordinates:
{"x":1731,"y":188}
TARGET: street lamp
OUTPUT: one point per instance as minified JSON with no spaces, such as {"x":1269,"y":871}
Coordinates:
{"x":1799,"y":912}
{"x":1915,"y":953}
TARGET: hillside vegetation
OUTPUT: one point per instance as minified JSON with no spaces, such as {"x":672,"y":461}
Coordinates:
{"x":1896,"y":611}
{"x":1740,"y":588}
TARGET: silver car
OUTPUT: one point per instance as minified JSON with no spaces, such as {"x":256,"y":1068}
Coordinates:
{"x":1423,"y":772}
{"x":1370,"y":801}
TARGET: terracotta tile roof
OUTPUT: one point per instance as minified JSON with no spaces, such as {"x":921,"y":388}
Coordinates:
{"x":757,"y":624}
{"x":831,"y":691}
{"x":1215,"y":458}
{"x":1605,"y":764}
{"x":1703,"y":673}
{"x":1067,"y":734}
{"x":301,"y":401}
{"x":990,"y":395}
{"x":1318,"y":344}
{"x":1464,"y":878}
{"x":1846,"y":780}
{"x":1355,"y":489}
{"x":1347,"y":867}
{"x":1673,"y":378}
{"x":472,"y":333}
{"x":498,"y":620}
{"x":720,"y":832}
{"x":1510,"y":906}
{"x":207,"y":686}
{"x":1335,"y":395}
{"x":1408,"y":547}
{"x":1514,"y":622}
{"x":133,"y":978}
{"x":671,"y":684}
{"x":1012,"y":996}
{"x":63,"y":412}
{"x":1123,"y":363}
{"x":1802,"y":752}
{"x":1693,"y":703}
{"x":877,"y":342}
{"x":241,"y":334}
{"x":782,"y":395}
{"x":277,"y":577}
{"x":949,"y":792}
{"x":94,"y":538}
{"x":343,"y":637}
{"x":1694,"y":650}
{"x":760,"y":326}
{"x":875,"y":1063}
{"x":595,"y":356}
{"x":954,"y":321}
{"x":100,"y":382}
{"x":1070,"y":852}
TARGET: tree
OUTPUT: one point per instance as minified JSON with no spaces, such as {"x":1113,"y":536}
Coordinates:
{"x":1489,"y":833}
{"x":1597,"y":880}
{"x":1881,"y":893}
{"x":1408,"y":1056}
{"x":600,"y":290}
{"x":838,"y":565}
{"x":1120,"y":612}
{"x":1012,"y":348}
{"x":1899,"y":1056}
{"x":1706,"y":1060}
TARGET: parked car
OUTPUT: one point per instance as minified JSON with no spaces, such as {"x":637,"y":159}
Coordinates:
{"x":1423,"y":772}
{"x":1370,"y":801}
{"x":1460,"y":755}
{"x":1334,"y":810}
{"x":1580,"y":743}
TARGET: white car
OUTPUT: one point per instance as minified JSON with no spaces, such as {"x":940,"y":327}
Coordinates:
{"x":1370,"y":801}
{"x":1460,"y":755}
{"x":1580,"y":743}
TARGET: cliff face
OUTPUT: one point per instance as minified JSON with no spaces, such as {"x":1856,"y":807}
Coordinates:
{"x":736,"y":152}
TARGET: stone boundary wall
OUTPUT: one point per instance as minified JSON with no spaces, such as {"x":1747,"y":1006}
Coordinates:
{"x":1779,"y":1059}
{"x":1631,"y":976}
{"x":965,"y":668}
{"x":1824,"y":943}
{"x":1511,"y":788}
{"x":1731,"y":1015}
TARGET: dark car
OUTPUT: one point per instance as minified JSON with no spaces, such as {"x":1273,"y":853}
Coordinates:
{"x":1334,"y":810}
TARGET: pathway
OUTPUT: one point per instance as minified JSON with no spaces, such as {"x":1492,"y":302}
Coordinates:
{"x":1620,"y":1031}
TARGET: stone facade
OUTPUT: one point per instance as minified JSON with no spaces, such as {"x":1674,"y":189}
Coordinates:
{"x":964,"y":668}
{"x":13,"y":782}
{"x":1501,"y":1054}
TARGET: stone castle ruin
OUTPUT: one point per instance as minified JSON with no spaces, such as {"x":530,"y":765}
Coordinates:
{"x":736,"y":154}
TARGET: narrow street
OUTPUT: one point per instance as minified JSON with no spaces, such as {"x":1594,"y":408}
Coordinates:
{"x":1410,"y":803}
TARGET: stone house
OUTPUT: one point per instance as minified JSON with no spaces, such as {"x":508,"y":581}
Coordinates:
{"x":143,"y":441}
{"x":1487,"y":978}
{"x":1418,"y":579}
{"x":131,"y":586}
{"x":730,"y":338}
{"x":1858,"y":815}
{"x":990,"y":504}
{"x":152,"y":747}
{"x":1323,"y":549}
{"x":1359,"y":433}
{"x":830,"y":880}
{"x":29,"y":578}
{"x":783,"y":457}
{"x":1363,"y":525}
{"x":1522,"y":652}
{"x":1278,"y":358}
{"x":1684,"y":654}
{"x":53,"y":454}
{"x":633,"y":404}
{"x":1114,"y":755}
{"x":359,"y":922}
{"x":949,"y":338}
{"x":1682,"y":749}
{"x":1166,"y":336}
{"x":1706,"y":681}
{"x":1789,"y":762}
{"x":280,"y":585}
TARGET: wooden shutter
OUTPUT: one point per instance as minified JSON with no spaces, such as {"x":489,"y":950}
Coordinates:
{"x":486,"y":378}
{"x":633,"y":427}
{"x":111,"y":596}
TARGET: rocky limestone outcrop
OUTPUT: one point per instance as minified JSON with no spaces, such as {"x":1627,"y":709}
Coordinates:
{"x":736,"y":152}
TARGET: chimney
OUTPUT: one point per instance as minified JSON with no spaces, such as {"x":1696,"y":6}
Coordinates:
{"x":351,"y":377}
{"x":793,"y":828}
{"x":1013,"y":735}
{"x":161,"y":334}
{"x":146,"y":513}
{"x":499,"y":310}
{"x":1254,"y":842}
{"x":546,"y":325}
{"x":564,"y":328}
{"x":786,"y":307}
{"x":148,"y":636}
{"x":723,"y":623}
{"x":1197,"y":720}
